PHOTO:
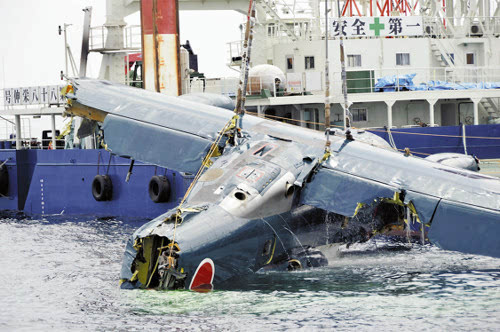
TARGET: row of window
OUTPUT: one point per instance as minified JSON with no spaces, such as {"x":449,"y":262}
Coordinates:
{"x":354,"y":60}
{"x":358,"y":115}
{"x":309,"y":62}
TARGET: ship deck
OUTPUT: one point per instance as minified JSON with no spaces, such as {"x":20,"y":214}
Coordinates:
{"x":490,"y":167}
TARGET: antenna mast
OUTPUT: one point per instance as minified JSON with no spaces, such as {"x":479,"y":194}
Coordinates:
{"x":327,"y":83}
{"x":347,"y":122}
{"x":245,"y":60}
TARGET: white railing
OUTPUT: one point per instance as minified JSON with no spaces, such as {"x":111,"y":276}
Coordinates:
{"x":8,"y":131}
{"x":461,"y":27}
{"x":227,"y":86}
{"x":234,"y":50}
{"x":428,"y":78}
{"x":294,"y":84}
{"x":131,"y":38}
{"x":312,"y":82}
{"x":31,"y":143}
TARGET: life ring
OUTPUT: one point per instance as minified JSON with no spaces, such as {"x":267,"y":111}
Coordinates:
{"x":4,"y":180}
{"x":159,"y":189}
{"x":102,"y":188}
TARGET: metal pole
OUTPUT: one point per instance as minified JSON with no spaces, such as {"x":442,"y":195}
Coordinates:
{"x":245,"y":60}
{"x":66,"y":48}
{"x":85,"y":42}
{"x":53,"y":126}
{"x":464,"y":139}
{"x":18,"y":132}
{"x":475,"y":102}
{"x":327,"y":82}
{"x":347,"y":123}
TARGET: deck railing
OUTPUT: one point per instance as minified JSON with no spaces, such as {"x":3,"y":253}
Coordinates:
{"x":32,"y":144}
{"x":358,"y":81}
{"x":421,"y":79}
{"x":131,"y":38}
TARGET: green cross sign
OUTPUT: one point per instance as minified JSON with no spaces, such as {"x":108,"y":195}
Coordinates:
{"x":377,"y":26}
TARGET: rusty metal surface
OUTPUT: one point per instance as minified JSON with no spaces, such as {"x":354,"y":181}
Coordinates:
{"x":160,"y":47}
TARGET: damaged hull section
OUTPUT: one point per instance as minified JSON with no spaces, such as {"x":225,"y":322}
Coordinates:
{"x":239,"y":246}
{"x":267,"y":194}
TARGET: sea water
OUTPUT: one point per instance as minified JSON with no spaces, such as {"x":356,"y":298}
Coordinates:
{"x":62,"y":274}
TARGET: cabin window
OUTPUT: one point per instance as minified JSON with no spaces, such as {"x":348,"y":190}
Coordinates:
{"x":359,"y":114}
{"x":271,"y":30}
{"x":470,"y":58}
{"x":402,"y":59}
{"x":289,"y":62}
{"x":354,"y":60}
{"x":309,"y":62}
{"x":311,"y":116}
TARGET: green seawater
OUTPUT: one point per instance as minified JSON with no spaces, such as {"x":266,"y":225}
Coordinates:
{"x":62,"y":274}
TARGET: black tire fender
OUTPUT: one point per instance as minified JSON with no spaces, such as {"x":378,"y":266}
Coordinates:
{"x":159,"y":189}
{"x":4,"y":180}
{"x":102,"y":188}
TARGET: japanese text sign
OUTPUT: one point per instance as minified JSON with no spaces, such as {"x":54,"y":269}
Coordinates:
{"x":36,"y":95}
{"x":385,"y":26}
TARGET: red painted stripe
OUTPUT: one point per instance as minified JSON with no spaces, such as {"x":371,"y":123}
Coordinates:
{"x":147,"y":17}
{"x":167,"y":17}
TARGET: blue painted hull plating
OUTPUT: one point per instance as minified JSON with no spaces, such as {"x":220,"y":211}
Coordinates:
{"x":482,"y":140}
{"x":45,"y":182}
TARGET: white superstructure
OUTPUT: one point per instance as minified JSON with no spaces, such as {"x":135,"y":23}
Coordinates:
{"x":459,"y":44}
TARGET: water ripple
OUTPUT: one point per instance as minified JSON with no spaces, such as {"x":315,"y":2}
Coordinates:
{"x":63,"y":273}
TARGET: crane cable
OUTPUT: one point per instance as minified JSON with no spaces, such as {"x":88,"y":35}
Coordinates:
{"x":233,"y":125}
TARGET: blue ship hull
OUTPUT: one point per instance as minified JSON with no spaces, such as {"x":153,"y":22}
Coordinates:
{"x":424,"y":141}
{"x":45,"y":182}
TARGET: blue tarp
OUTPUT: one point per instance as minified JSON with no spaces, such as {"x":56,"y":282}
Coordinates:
{"x":391,"y":83}
{"x":405,"y":82}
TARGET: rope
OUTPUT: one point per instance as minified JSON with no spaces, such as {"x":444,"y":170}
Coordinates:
{"x":288,"y":119}
{"x":464,"y":141}
{"x":369,"y":129}
{"x":205,"y":164}
{"x":391,"y":139}
{"x":437,"y":135}
{"x":380,"y":146}
{"x":214,"y":150}
{"x":231,"y":125}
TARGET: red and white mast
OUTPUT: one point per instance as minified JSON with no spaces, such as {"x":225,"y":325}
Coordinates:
{"x":160,"y":46}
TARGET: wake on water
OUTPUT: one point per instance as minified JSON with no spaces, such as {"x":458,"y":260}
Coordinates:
{"x":62,"y":273}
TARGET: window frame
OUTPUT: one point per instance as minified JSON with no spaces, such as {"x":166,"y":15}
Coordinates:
{"x":354,"y":57}
{"x":473,"y":58}
{"x":402,"y":58}
{"x":271,"y":30}
{"x":287,"y":63}
{"x":359,"y":109}
{"x":310,"y":57}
